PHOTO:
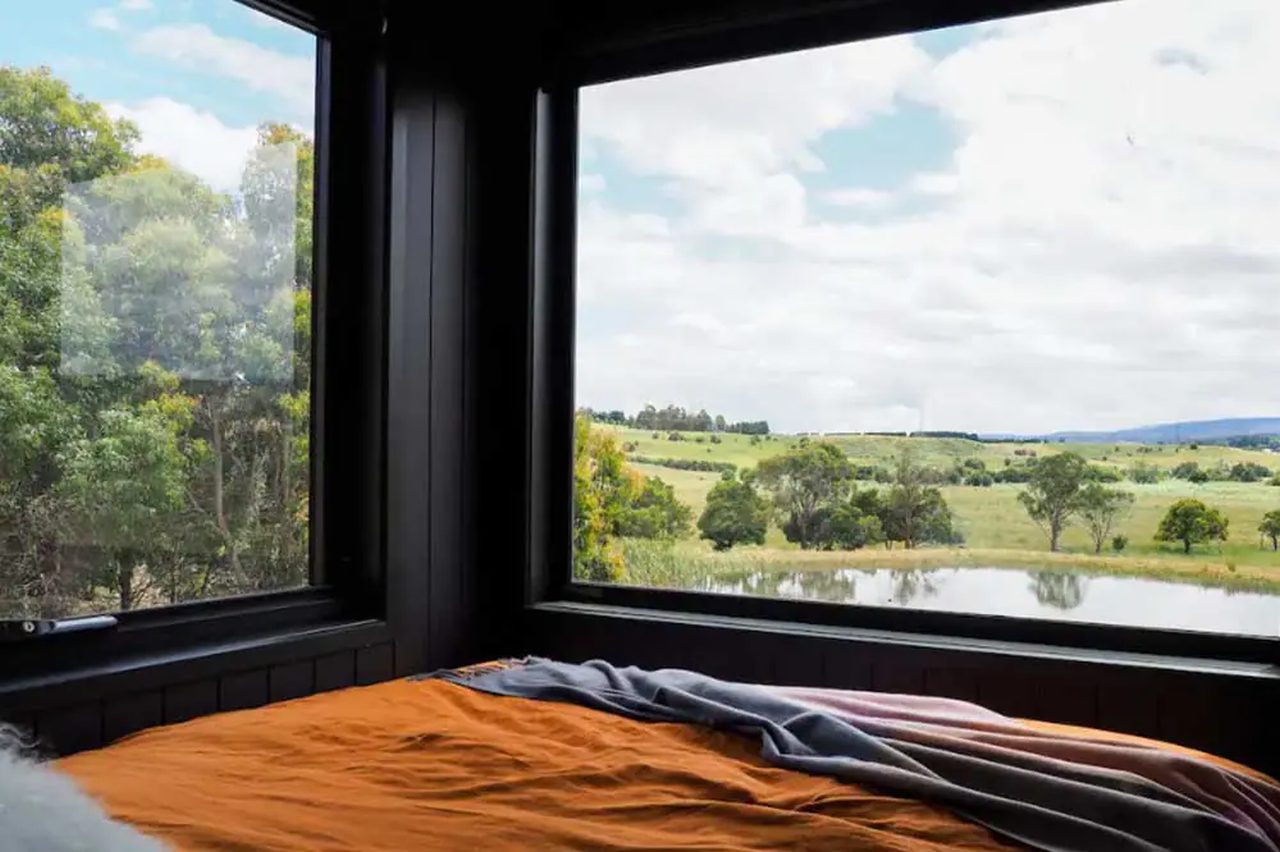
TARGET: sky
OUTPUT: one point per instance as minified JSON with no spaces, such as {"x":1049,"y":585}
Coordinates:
{"x":1057,"y":221}
{"x":196,"y":76}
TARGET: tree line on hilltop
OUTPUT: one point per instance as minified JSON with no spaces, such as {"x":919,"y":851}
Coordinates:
{"x":673,"y":418}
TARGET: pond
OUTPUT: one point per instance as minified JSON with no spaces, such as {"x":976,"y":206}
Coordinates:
{"x":1060,"y":595}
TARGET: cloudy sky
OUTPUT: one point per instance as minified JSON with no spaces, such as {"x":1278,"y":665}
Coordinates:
{"x":197,"y":76}
{"x":1060,"y":221}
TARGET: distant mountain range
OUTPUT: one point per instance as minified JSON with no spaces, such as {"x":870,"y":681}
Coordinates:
{"x":1166,"y":433}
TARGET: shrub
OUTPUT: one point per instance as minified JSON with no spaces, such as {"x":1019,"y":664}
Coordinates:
{"x":716,"y":439}
{"x":688,"y":464}
{"x":675,"y":436}
{"x":1145,"y":473}
{"x":735,"y":514}
{"x":1119,"y":543}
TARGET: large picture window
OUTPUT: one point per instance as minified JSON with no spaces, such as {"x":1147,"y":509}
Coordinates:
{"x":977,"y":320}
{"x":156,"y":203}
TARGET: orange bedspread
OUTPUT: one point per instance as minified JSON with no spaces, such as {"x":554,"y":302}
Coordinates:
{"x":430,"y":765}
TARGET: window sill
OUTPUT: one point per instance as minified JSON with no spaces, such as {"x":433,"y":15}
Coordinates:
{"x":147,"y":670}
{"x":1012,"y":650}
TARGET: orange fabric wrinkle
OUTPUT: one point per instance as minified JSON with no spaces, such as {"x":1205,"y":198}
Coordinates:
{"x":432,"y":765}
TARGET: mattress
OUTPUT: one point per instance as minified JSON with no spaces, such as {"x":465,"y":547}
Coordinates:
{"x":428,"y":764}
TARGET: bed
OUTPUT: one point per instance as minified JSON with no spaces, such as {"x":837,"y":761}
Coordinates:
{"x":433,"y":763}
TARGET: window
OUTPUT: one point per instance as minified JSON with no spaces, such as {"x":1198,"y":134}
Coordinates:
{"x":156,"y":211}
{"x":977,"y":320}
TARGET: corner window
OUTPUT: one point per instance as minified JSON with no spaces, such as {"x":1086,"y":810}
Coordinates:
{"x":975,"y":320}
{"x":156,"y":203}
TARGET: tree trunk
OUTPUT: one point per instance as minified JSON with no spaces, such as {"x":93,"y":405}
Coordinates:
{"x":219,"y":491}
{"x":124,"y":581}
{"x":1054,"y":532}
{"x":1186,"y":545}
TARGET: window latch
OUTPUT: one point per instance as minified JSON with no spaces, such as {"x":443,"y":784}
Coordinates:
{"x":18,"y":630}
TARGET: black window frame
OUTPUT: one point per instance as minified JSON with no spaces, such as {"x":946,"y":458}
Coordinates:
{"x":349,"y":583}
{"x":704,"y":34}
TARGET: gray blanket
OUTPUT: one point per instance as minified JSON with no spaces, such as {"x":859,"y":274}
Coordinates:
{"x":1046,"y":804}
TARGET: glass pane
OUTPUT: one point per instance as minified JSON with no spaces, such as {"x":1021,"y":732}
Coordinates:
{"x":155,"y":305}
{"x":981,"y":319}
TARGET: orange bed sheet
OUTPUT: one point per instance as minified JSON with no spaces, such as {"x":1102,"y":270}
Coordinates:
{"x":432,"y":765}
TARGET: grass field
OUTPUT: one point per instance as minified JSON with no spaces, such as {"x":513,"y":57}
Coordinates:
{"x":996,"y":529}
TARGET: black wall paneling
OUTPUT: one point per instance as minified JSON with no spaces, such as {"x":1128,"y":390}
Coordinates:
{"x":291,"y":680}
{"x":130,"y":713}
{"x":185,"y":701}
{"x":335,"y":671}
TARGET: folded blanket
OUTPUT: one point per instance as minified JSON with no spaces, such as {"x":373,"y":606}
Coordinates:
{"x":1050,"y":792}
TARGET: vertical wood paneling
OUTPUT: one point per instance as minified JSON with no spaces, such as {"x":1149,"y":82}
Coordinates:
{"x":374,"y":664}
{"x":1009,"y":692}
{"x":242,"y":690}
{"x":958,"y":683}
{"x":292,"y":680}
{"x":185,"y":701}
{"x":845,"y":666}
{"x":897,"y":674}
{"x":447,"y":372}
{"x":409,"y":375}
{"x":66,"y":730}
{"x":335,"y":671}
{"x":1129,"y":704}
{"x":1071,"y":701}
{"x":125,"y":715}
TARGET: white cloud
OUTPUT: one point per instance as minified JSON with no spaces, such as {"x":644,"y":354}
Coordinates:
{"x":591,"y":183}
{"x":104,"y":19}
{"x":191,"y":139}
{"x":859,"y":197}
{"x":1099,"y":252}
{"x":136,"y":5}
{"x":195,"y":46}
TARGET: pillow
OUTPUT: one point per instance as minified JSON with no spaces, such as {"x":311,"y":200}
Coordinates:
{"x":42,"y":810}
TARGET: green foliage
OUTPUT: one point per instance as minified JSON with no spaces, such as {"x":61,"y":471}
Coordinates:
{"x":1053,"y":492}
{"x":913,"y":511}
{"x":652,"y":511}
{"x":686,"y":464}
{"x":118,"y":473}
{"x":1249,"y":472}
{"x":1145,"y":473}
{"x":1191,"y":522}
{"x":805,"y":481}
{"x":1119,"y":543}
{"x":735,"y":513}
{"x":612,"y":501}
{"x":849,"y":527}
{"x":44,"y":127}
{"x":1270,"y":527}
{"x":1099,"y":507}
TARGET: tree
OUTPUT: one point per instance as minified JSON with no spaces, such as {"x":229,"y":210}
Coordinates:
{"x":147,"y":345}
{"x":1192,"y":522}
{"x":1099,"y":507}
{"x":652,"y":511}
{"x":914,"y":512}
{"x":1270,"y":527}
{"x":1053,"y":493}
{"x":848,"y":527}
{"x":735,"y":513}
{"x":805,"y":481}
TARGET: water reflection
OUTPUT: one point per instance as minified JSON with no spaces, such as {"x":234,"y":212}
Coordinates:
{"x":1069,"y":595}
{"x":1059,"y":589}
